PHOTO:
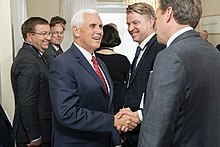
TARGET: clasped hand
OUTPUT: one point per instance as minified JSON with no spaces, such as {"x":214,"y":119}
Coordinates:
{"x":126,"y":120}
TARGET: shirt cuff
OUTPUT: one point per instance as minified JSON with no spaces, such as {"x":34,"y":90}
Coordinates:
{"x":36,"y":139}
{"x":140,"y":115}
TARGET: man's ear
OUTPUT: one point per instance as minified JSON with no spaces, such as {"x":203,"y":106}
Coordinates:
{"x":169,"y":13}
{"x":29,"y":37}
{"x":75,"y":31}
{"x":150,"y":23}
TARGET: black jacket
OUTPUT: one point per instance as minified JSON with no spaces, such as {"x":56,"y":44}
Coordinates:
{"x":29,"y":76}
{"x":7,"y":134}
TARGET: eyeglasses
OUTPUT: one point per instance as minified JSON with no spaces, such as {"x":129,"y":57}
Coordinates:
{"x":44,"y":34}
{"x":57,"y":33}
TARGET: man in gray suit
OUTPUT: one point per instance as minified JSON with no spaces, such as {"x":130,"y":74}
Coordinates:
{"x":182,"y":107}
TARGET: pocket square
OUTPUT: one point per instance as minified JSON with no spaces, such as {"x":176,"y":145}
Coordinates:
{"x":151,"y":71}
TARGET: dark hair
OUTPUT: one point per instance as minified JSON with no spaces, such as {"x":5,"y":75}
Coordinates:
{"x":218,"y":47}
{"x":185,"y":12}
{"x":30,"y":25}
{"x":57,"y":20}
{"x":110,"y":37}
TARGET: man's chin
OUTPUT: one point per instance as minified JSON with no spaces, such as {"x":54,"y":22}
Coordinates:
{"x":44,"y":48}
{"x":97,"y":44}
{"x":135,"y":40}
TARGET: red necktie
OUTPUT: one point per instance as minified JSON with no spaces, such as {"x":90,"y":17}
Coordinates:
{"x":98,"y":71}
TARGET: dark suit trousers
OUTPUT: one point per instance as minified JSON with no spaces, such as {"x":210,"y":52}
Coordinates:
{"x":132,"y":140}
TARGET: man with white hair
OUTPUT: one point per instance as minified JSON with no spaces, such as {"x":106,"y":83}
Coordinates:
{"x":81,"y":90}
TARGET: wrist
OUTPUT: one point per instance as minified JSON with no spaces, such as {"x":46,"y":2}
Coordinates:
{"x":139,"y":115}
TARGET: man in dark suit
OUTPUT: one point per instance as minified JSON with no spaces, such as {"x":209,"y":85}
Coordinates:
{"x":57,"y":28}
{"x":182,"y":106}
{"x":7,"y":134}
{"x":141,"y":26}
{"x":29,"y":77}
{"x":81,"y":90}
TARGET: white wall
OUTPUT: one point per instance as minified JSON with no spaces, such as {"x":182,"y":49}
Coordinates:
{"x":49,"y":8}
{"x":6,"y":94}
{"x":43,"y":8}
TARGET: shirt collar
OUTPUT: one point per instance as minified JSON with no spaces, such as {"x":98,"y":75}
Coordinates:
{"x":143,"y":43}
{"x":86,"y":54}
{"x":39,"y":53}
{"x":178,"y":33}
{"x":56,"y":47}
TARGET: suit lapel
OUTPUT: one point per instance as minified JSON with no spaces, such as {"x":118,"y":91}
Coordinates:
{"x":43,"y":65}
{"x":43,"y":62}
{"x":83,"y":61}
{"x":148,"y":46}
{"x":53,"y":50}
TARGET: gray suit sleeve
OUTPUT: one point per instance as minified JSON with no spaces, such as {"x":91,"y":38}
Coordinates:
{"x":165,"y":93}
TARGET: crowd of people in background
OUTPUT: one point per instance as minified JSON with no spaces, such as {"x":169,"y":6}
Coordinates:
{"x":91,"y":96}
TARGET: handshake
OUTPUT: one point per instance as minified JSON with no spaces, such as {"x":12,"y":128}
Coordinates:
{"x":126,"y":120}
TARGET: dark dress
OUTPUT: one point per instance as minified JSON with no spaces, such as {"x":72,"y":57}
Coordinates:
{"x":118,"y":66}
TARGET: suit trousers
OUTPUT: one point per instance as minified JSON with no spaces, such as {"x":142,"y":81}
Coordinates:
{"x":132,"y":140}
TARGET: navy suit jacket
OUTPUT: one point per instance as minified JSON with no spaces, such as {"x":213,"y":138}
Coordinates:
{"x":137,"y":83}
{"x":83,"y":112}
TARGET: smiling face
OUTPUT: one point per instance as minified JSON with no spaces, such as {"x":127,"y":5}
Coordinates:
{"x":57,"y":34}
{"x":138,"y":26}
{"x":39,"y":40}
{"x":89,"y":34}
